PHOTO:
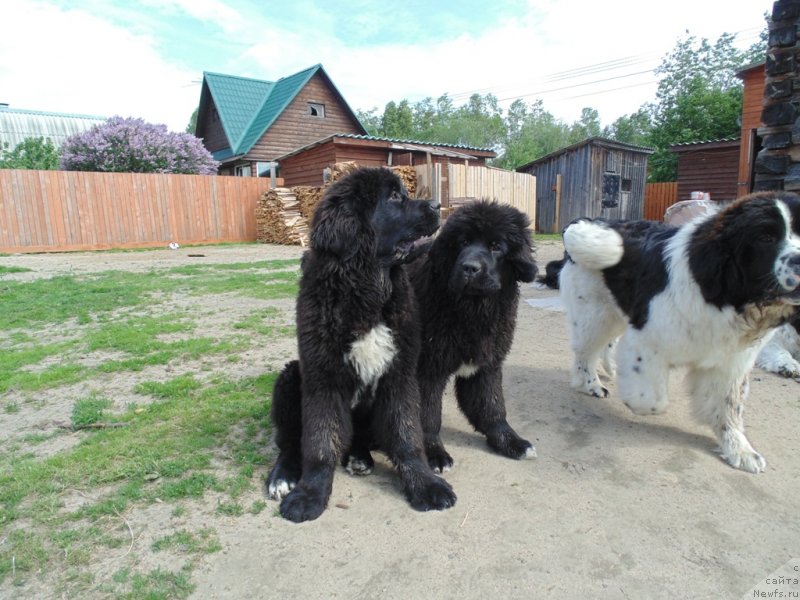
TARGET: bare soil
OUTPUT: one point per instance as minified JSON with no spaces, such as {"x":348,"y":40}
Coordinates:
{"x":615,"y":505}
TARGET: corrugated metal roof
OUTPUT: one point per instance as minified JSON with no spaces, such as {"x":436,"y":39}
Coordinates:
{"x":706,"y":142}
{"x":17,"y":124}
{"x":600,"y":141}
{"x":402,"y":145}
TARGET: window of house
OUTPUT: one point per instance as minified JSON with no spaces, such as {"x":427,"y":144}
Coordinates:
{"x":243,"y":170}
{"x":626,"y":185}
{"x":263,"y":168}
{"x":316,"y":110}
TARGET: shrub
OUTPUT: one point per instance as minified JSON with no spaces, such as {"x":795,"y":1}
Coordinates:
{"x":133,"y":146}
{"x":30,"y":153}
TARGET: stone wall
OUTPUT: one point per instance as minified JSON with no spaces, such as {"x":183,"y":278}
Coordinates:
{"x":778,"y":163}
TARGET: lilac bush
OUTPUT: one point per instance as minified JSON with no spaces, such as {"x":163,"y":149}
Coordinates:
{"x":133,"y":146}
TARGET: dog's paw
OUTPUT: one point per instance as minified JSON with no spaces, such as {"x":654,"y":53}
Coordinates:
{"x":434,"y":494}
{"x":746,"y":460}
{"x":736,"y":450}
{"x":508,"y":443}
{"x":303,"y":504}
{"x":438,"y":459}
{"x":360,"y":465}
{"x":281,"y":481}
{"x":790,"y":370}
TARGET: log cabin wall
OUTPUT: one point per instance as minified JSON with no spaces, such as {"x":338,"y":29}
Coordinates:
{"x":777,"y":165}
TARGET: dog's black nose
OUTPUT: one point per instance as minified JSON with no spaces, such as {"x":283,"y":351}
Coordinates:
{"x":470,"y":267}
{"x":434,"y":205}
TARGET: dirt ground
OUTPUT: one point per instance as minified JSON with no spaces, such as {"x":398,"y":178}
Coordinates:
{"x":615,"y":505}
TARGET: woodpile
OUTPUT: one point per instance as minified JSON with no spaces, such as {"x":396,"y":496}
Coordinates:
{"x":408,"y":175}
{"x":279,"y":220}
{"x":283,"y":215}
{"x":308,"y":197}
{"x":340,"y":169}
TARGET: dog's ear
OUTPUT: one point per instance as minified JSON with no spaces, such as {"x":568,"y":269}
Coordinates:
{"x":522,"y":254}
{"x":522,"y":260}
{"x":338,"y":230}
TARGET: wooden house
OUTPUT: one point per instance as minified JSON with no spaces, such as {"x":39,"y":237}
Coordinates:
{"x":711,"y":167}
{"x":597,"y":177}
{"x":726,"y":168}
{"x":247,"y":123}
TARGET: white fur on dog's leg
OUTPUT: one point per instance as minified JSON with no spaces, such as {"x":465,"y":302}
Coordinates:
{"x":356,"y":466}
{"x":530,"y":453}
{"x":279,"y":489}
{"x":736,"y":450}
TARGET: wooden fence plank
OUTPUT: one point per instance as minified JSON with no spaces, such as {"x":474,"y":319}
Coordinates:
{"x":658,"y":197}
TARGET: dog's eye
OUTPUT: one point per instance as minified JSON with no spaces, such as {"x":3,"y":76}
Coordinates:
{"x":767,"y":238}
{"x":495,"y":247}
{"x":465,"y":242}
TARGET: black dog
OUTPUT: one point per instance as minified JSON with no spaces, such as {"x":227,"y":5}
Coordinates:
{"x":358,"y":340}
{"x":468,"y":294}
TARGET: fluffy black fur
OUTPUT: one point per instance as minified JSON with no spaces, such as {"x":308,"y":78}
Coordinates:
{"x":354,"y":291}
{"x":552,"y":270}
{"x":467,"y":289}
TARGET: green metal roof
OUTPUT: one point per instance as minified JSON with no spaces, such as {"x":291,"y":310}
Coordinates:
{"x":248,"y":107}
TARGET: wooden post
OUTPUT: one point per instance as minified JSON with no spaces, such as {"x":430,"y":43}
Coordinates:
{"x":558,"y":204}
{"x":272,"y":182}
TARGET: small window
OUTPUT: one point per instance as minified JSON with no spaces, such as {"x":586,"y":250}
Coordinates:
{"x":626,"y":185}
{"x":316,"y":110}
{"x":263,"y":168}
{"x":243,"y":171}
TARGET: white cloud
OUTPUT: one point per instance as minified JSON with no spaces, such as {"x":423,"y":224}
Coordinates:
{"x":71,"y":61}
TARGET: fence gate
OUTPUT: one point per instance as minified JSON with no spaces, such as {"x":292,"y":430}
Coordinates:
{"x":468,"y":183}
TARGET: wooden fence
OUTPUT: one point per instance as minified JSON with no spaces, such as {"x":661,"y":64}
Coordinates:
{"x":516,"y":189}
{"x":53,"y":211}
{"x":658,"y":197}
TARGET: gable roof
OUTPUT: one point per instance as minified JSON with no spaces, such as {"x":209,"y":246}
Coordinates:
{"x":17,"y":124}
{"x":599,"y":141}
{"x":247,"y":107}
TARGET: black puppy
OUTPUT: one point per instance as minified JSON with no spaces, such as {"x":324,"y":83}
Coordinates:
{"x":358,"y":341}
{"x":467,"y":289}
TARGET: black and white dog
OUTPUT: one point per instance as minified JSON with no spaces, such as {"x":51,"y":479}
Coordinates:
{"x":355,"y":384}
{"x":704,"y":296}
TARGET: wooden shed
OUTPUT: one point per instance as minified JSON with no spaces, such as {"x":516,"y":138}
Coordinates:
{"x":597,"y":177}
{"x":711,"y":167}
{"x":306,"y":165}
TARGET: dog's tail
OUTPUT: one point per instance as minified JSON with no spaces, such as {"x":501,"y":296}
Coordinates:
{"x":593,"y":245}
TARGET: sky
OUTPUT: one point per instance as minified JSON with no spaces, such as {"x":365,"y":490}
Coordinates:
{"x":146,"y":59}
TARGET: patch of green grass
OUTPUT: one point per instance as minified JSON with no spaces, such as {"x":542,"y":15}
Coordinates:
{"x":159,"y":584}
{"x":257,"y":507}
{"x":259,"y":322}
{"x":204,"y":541}
{"x":89,"y":411}
{"x":23,"y":553}
{"x":230,"y":509}
{"x":4,"y":269}
{"x":178,"y":435}
{"x":547,"y":237}
{"x":59,"y":299}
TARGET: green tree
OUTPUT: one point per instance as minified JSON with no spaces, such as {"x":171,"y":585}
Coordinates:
{"x":532,"y":132}
{"x":30,"y":153}
{"x":585,"y":127}
{"x":699,"y":98}
{"x":371,"y":121}
{"x":192,"y":126}
{"x":632,"y":129}
{"x":398,"y":120}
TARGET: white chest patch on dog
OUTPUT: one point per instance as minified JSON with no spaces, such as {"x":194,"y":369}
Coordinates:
{"x":467,"y":370}
{"x":372,"y":353}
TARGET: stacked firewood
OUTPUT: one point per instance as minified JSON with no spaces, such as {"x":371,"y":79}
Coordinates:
{"x":308,"y":197}
{"x":279,"y":219}
{"x":340,"y":169}
{"x":283,"y":215}
{"x":408,"y":175}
